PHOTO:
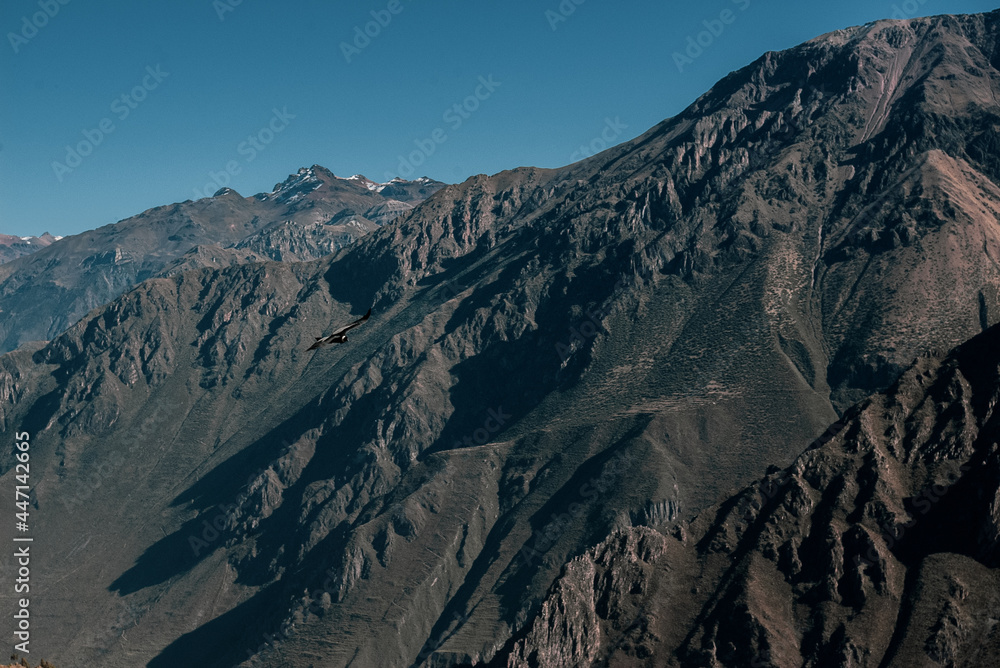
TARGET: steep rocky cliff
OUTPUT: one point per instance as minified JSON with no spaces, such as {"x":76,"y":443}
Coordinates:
{"x":878,"y":546}
{"x":553,"y":355}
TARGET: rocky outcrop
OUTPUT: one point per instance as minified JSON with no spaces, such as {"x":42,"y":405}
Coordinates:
{"x":877,"y":547}
{"x":553,"y":356}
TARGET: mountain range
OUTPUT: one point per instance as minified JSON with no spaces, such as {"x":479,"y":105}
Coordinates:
{"x":877,"y":546}
{"x":546,"y":446}
{"x":310,"y":214}
{"x":12,"y":247}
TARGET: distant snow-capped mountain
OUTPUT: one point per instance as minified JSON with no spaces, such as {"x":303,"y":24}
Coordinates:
{"x":13,"y":247}
{"x":310,"y":214}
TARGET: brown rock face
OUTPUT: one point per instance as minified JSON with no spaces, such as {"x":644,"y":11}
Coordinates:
{"x":877,"y":547}
{"x":553,"y":356}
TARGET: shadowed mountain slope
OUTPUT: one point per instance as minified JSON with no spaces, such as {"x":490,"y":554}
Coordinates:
{"x":878,"y":546}
{"x":552,"y":355}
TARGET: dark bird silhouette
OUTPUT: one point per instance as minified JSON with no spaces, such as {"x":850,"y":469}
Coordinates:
{"x":340,"y":336}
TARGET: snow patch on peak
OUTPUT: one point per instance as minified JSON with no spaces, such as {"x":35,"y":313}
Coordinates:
{"x":366,"y":182}
{"x":371,"y":185}
{"x":305,"y":180}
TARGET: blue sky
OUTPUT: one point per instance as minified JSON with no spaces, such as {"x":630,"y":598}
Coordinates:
{"x":162,"y":101}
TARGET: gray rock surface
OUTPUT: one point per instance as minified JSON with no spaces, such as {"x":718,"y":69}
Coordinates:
{"x":553,"y":356}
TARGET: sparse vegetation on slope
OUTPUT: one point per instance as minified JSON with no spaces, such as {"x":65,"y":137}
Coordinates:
{"x":652,"y":326}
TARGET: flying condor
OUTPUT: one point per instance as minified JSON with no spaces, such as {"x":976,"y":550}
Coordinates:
{"x":340,"y":336}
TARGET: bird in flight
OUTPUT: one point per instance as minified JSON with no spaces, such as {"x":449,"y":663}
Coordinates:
{"x":340,"y":336}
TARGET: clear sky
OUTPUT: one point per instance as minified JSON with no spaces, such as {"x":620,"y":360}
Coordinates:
{"x":110,"y":107}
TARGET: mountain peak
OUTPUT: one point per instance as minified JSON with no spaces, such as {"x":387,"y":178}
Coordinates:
{"x":363,"y":180}
{"x":305,"y":180}
{"x":308,"y":179}
{"x":13,"y":247}
{"x":558,"y":354}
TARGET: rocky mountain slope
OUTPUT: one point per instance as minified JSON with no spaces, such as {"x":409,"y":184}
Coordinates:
{"x":12,"y":247}
{"x":553,"y":355}
{"x":310,"y":214}
{"x":878,"y":546}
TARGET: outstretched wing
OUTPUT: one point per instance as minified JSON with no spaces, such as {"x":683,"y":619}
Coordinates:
{"x":336,"y":336}
{"x":354,"y":324}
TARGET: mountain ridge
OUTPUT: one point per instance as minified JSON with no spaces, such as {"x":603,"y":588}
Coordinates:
{"x":12,"y":247}
{"x":45,"y":293}
{"x":724,"y":335}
